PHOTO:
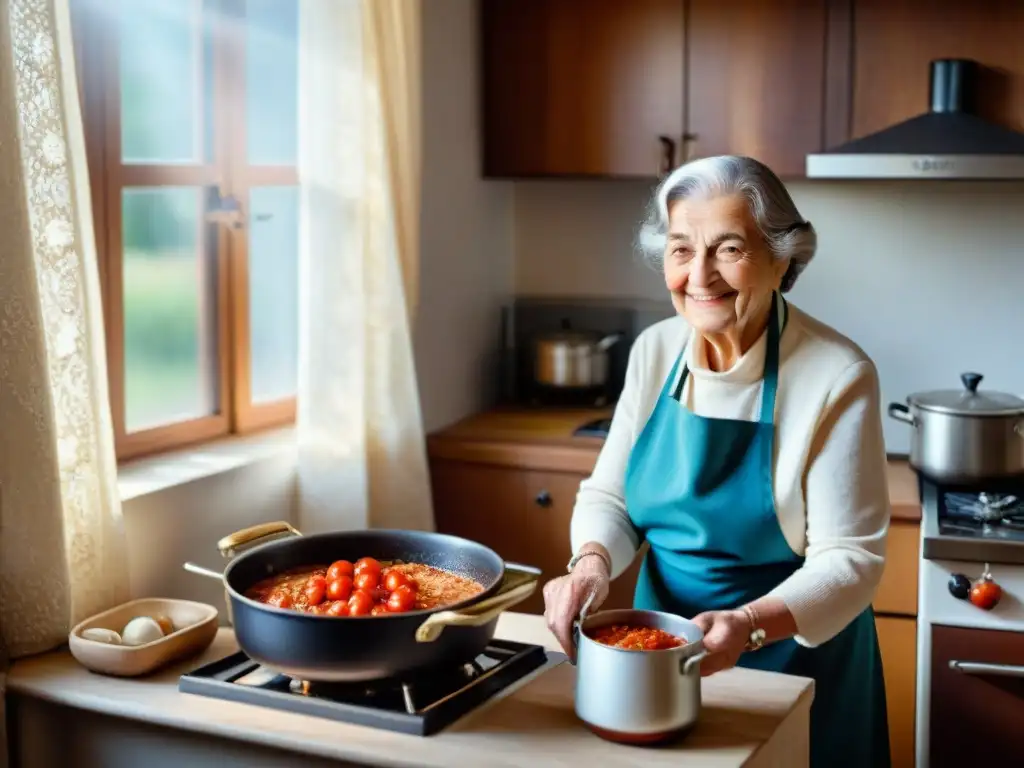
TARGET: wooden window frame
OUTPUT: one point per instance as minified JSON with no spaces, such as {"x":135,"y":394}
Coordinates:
{"x":97,"y":59}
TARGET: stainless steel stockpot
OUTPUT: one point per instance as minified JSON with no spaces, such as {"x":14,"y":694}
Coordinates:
{"x":638,"y":696}
{"x":964,"y":435}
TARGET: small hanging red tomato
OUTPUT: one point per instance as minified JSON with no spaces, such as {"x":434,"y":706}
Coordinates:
{"x":986,"y":593}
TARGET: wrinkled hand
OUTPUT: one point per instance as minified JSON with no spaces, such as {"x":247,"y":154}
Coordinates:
{"x":565,"y":596}
{"x":725,"y":637}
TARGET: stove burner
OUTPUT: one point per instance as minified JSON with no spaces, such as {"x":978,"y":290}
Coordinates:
{"x":990,"y":514}
{"x":420,"y":704}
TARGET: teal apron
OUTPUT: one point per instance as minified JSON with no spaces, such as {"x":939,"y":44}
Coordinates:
{"x":699,"y":490}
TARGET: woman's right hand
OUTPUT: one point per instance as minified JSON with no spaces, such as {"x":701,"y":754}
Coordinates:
{"x":564,"y":598}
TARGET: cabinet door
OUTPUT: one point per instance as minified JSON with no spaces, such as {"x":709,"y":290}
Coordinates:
{"x":756,"y":80}
{"x":483,"y":503}
{"x":897,"y":640}
{"x":977,"y":708}
{"x":580,"y":89}
{"x":894,"y":41}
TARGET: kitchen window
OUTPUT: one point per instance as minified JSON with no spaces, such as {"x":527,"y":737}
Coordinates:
{"x":190,"y":110}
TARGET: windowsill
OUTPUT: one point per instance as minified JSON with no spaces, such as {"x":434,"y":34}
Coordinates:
{"x":152,"y":474}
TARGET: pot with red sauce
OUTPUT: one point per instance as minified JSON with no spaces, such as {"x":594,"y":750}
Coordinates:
{"x":638,"y":675}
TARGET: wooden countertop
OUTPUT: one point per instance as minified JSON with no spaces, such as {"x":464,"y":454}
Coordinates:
{"x":542,"y":439}
{"x":749,"y":718}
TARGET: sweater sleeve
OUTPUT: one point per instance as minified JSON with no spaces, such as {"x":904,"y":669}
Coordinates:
{"x":600,"y":511}
{"x":847,"y":504}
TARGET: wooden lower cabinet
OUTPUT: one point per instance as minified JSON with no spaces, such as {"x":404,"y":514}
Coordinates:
{"x":897,"y":639}
{"x":523,"y":515}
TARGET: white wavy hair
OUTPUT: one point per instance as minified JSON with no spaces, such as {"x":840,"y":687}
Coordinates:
{"x":788,"y":234}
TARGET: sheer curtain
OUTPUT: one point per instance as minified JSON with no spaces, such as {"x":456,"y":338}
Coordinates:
{"x":62,"y":548}
{"x":362,"y":459}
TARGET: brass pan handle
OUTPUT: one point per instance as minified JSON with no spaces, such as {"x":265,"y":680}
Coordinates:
{"x":239,"y":541}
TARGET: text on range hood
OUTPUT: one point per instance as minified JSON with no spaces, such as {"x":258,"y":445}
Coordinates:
{"x":948,"y":142}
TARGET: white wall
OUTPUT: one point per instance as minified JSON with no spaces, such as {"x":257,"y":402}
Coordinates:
{"x":466,"y":241}
{"x":927,"y":277}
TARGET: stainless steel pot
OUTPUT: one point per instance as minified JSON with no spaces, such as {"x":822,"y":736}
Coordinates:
{"x":639,"y":697}
{"x":964,"y":435}
{"x":572,"y":359}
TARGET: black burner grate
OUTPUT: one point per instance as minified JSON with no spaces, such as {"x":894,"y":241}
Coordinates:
{"x":420,"y":705}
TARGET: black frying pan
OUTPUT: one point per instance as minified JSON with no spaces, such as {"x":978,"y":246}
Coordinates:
{"x":327,"y":648}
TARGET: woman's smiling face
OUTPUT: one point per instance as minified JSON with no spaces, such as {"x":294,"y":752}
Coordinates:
{"x":718,"y":267}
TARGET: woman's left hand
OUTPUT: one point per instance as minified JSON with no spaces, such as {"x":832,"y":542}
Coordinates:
{"x":726,"y":634}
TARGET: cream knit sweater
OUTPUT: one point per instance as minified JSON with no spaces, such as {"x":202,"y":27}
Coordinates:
{"x":831,"y":492}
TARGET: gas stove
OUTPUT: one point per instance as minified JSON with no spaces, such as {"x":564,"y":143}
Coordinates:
{"x":420,"y":705}
{"x":978,"y":524}
{"x":970,"y":641}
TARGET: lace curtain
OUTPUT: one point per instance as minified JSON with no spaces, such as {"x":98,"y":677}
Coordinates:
{"x":62,"y":548}
{"x":362,"y":460}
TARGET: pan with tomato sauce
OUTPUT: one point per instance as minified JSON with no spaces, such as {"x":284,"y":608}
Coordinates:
{"x":452,"y":574}
{"x":635,"y":638}
{"x":366,"y":587}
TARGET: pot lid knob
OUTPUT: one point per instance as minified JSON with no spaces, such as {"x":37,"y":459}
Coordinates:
{"x":971,"y":381}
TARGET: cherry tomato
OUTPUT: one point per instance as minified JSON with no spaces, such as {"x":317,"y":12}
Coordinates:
{"x":394,"y":579}
{"x":316,"y":590}
{"x":367,"y":564}
{"x":340,"y":568}
{"x":360,"y":603}
{"x":401,"y":600}
{"x":366,"y":580}
{"x":340,"y":588}
{"x":280,"y":599}
{"x":986,"y":593}
{"x":378,"y":609}
{"x":338,"y":608}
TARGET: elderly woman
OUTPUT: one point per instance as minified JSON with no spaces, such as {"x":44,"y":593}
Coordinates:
{"x":746,"y":450}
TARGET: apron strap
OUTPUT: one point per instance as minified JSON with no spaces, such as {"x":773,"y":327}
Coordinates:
{"x":777,"y":318}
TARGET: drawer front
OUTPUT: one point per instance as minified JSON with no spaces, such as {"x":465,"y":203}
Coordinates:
{"x":897,"y":593}
{"x":977,"y":709}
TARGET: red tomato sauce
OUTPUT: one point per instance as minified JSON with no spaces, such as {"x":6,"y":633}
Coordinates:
{"x":635,"y":638}
{"x":366,"y":587}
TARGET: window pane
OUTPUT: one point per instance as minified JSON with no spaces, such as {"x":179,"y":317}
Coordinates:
{"x":274,"y":292}
{"x":166,"y":78}
{"x":169,"y":355}
{"x":271,"y":76}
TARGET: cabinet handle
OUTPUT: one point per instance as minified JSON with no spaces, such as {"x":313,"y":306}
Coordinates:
{"x":981,"y":668}
{"x":668,"y":156}
{"x":543,"y":499}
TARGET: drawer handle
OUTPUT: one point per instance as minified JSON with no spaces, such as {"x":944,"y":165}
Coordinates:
{"x":543,"y":499}
{"x":981,"y":668}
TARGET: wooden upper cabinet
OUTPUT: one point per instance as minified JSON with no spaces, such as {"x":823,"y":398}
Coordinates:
{"x":576,"y":88}
{"x":756,"y":80}
{"x":895,"y":40}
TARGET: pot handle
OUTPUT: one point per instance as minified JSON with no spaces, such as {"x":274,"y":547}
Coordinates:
{"x":900,"y":412}
{"x":207,"y":572}
{"x":687,"y":665}
{"x":607,"y":342}
{"x":519,"y":583}
{"x":239,"y":541}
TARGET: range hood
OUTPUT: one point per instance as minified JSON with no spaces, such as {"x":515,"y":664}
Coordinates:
{"x":948,"y":142}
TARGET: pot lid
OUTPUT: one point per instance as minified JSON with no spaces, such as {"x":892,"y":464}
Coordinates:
{"x":969,"y":401}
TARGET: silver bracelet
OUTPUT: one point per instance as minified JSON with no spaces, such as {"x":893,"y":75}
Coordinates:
{"x":580,"y":555}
